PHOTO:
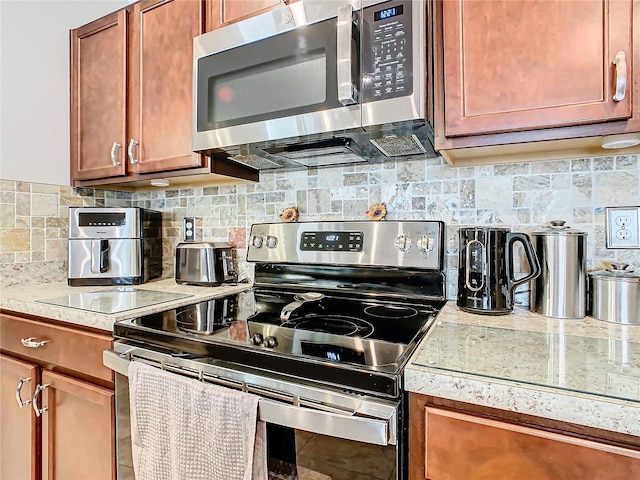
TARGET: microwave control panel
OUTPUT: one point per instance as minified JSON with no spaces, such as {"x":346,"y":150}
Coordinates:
{"x":386,"y":48}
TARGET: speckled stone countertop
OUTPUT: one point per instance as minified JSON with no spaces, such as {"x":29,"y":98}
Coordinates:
{"x":583,"y":371}
{"x":159,"y":295}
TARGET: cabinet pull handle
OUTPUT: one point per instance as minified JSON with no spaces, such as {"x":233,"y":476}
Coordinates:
{"x":39,"y":411}
{"x":22,"y":403}
{"x":621,"y":76}
{"x":31,"y":342}
{"x":132,"y":144}
{"x":114,"y":154}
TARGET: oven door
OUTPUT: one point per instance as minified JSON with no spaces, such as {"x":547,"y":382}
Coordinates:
{"x":287,"y":73}
{"x":311,"y":433}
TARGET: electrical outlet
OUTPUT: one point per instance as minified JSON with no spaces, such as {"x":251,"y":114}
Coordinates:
{"x":623,"y":228}
{"x":189,"y":229}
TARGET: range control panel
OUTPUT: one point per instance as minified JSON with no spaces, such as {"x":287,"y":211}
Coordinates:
{"x":408,"y":244}
{"x":387,"y":56}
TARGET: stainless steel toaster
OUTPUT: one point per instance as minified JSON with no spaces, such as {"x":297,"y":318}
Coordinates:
{"x":205,"y":263}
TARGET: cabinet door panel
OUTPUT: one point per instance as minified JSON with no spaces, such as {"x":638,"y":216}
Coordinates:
{"x":466,"y":447}
{"x":98,"y":98}
{"x":161,"y":100}
{"x":18,"y":426}
{"x":78,"y":431}
{"x":533,"y":64}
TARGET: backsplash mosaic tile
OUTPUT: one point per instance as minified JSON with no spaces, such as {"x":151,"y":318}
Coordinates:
{"x":524,"y":196}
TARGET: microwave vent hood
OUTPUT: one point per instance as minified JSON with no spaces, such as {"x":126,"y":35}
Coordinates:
{"x":315,"y":83}
{"x":342,"y":149}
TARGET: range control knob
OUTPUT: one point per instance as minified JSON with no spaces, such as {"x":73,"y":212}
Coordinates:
{"x":271,"y":342}
{"x":403,"y":243}
{"x":257,"y":339}
{"x":425,"y":243}
{"x":272,"y":241}
{"x":256,"y":241}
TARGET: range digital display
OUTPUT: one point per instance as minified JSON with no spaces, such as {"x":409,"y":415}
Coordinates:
{"x":387,"y":13}
{"x":331,"y":241}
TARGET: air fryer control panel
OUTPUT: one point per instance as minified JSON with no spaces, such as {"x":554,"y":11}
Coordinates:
{"x":386,"y":49}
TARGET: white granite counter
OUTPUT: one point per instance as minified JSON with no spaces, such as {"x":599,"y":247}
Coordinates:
{"x":583,"y":371}
{"x":159,"y":295}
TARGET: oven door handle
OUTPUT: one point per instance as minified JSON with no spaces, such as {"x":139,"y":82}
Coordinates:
{"x":375,"y":431}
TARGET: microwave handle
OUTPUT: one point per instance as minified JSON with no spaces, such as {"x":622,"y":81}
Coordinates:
{"x":347,"y":92}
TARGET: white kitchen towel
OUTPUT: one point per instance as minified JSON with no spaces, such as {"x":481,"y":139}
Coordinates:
{"x":184,"y":429}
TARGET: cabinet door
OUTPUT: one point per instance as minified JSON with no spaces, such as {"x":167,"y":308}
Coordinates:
{"x":78,"y":433}
{"x":161,"y":85}
{"x":224,"y":12}
{"x":98,"y":98}
{"x":18,"y":426}
{"x":513,"y":66}
{"x":465,"y":447}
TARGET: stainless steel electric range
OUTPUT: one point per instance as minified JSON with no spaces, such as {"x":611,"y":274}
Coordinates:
{"x":336,"y":310}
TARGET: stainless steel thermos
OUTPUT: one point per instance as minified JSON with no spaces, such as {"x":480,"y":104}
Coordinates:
{"x":486,"y":280}
{"x":561,"y":289}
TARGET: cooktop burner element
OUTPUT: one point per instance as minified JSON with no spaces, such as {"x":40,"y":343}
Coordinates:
{"x":334,"y":324}
{"x":321,"y":311}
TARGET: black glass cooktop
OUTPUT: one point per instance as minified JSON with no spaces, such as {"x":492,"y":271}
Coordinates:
{"x":307,"y":334}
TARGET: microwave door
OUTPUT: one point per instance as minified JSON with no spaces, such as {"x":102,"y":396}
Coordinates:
{"x":285,"y":84}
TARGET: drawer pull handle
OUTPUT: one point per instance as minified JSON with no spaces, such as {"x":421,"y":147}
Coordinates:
{"x":31,"y":342}
{"x":22,"y":403}
{"x":39,"y":411}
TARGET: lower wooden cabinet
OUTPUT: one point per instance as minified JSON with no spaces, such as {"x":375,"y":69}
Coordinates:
{"x":65,"y":427}
{"x":453,"y":445}
{"x":19,"y":428}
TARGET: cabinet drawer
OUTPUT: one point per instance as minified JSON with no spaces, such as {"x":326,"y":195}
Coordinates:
{"x":466,"y":447}
{"x":65,"y":347}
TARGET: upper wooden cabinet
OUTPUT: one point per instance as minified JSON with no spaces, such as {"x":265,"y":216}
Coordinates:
{"x":225,"y":12}
{"x":131,"y":95}
{"x":511,"y":72}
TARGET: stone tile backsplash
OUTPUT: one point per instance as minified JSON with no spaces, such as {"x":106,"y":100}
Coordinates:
{"x":524,"y":196}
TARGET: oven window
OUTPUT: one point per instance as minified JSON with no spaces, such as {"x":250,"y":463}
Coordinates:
{"x":299,"y":455}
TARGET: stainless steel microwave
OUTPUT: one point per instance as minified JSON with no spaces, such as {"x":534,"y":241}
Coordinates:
{"x":316,"y":82}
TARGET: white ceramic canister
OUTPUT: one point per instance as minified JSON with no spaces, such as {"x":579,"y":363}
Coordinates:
{"x":560,"y":291}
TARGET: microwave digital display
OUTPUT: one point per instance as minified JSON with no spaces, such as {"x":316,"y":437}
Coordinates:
{"x":387,"y":13}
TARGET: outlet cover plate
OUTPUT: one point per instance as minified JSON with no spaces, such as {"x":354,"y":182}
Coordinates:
{"x":189,"y":229}
{"x":622,"y":226}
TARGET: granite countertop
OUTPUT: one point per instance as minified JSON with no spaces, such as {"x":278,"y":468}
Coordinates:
{"x":158,"y":295}
{"x":582,"y":371}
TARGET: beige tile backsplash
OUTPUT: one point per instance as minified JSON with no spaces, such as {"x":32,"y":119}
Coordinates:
{"x":524,"y":196}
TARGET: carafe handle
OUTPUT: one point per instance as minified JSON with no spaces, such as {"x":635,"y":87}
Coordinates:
{"x":532,"y":258}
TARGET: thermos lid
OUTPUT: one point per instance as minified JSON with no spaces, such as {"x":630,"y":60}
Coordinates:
{"x":558,"y":227}
{"x":619,"y":272}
